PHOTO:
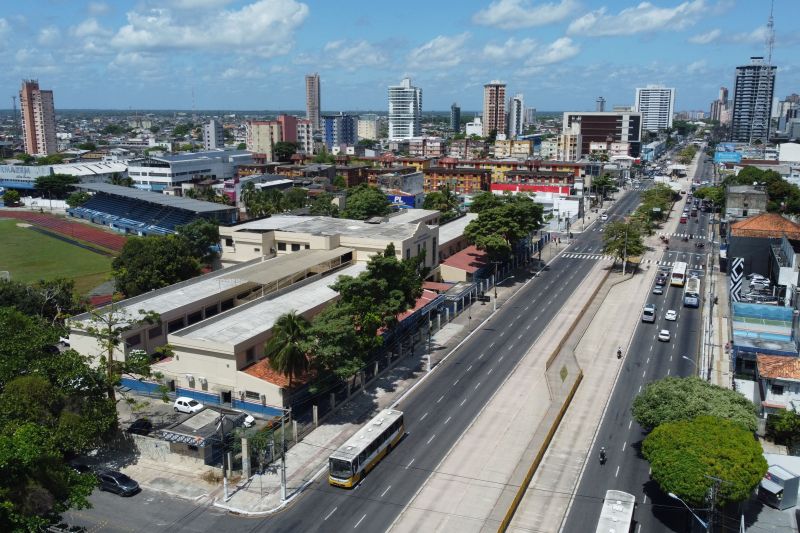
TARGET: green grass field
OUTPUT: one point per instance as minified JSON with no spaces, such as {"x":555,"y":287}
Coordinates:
{"x":31,"y":256}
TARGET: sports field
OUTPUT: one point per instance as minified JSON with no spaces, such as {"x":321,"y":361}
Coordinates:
{"x":30,"y":256}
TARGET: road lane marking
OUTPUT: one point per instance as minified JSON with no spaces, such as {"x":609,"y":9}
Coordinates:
{"x":529,"y":327}
{"x":644,"y":372}
{"x":359,"y":522}
{"x":387,"y":490}
{"x":668,"y":370}
{"x":651,"y":348}
{"x":644,"y":498}
{"x":640,"y":388}
{"x":630,"y":423}
{"x":440,"y":398}
{"x":423,"y":417}
{"x":501,"y":357}
{"x":478,"y":385}
{"x":648,"y":359}
{"x":510,"y":347}
{"x":409,"y":464}
{"x":456,"y":382}
{"x":623,"y":445}
{"x":491,"y":345}
{"x":639,"y":528}
{"x":519,"y":316}
{"x":469,"y":368}
{"x":617,"y":472}
{"x":462,"y":402}
{"x":502,"y":333}
{"x":480,"y":357}
{"x":670,"y":357}
{"x":432,"y":437}
{"x":490,"y":371}
{"x":520,"y":336}
{"x":448,"y":419}
{"x":329,"y":514}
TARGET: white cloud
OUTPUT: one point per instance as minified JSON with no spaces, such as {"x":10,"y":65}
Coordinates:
{"x":89,"y":28}
{"x":644,"y":17}
{"x":97,"y":8}
{"x":697,"y":66}
{"x":757,"y":36}
{"x":510,"y":14}
{"x":197,"y":4}
{"x":509,"y":50}
{"x":706,"y":38}
{"x":439,"y":52}
{"x":352,"y":56}
{"x":48,"y":35}
{"x":264,"y":27}
{"x":556,"y":52}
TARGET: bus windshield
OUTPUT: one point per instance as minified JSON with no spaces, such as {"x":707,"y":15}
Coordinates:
{"x":339,"y":468}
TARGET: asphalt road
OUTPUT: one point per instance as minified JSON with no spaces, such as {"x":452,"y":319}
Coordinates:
{"x":436,"y":414}
{"x":646,"y":360}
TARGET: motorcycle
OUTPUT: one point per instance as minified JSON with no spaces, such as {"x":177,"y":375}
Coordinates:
{"x":700,"y":244}
{"x":602,"y":456}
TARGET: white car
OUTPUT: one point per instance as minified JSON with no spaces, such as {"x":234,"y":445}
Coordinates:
{"x":663,"y":335}
{"x":249,"y":421}
{"x":671,"y":315}
{"x":604,"y":217}
{"x":185,"y":404}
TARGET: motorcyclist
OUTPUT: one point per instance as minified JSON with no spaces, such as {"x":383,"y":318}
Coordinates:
{"x":602,"y":455}
{"x":619,"y":352}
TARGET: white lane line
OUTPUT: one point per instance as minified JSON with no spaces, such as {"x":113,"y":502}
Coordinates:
{"x":329,"y":514}
{"x":670,"y":357}
{"x":644,"y":498}
{"x":409,"y":464}
{"x":490,"y":371}
{"x":639,"y":528}
{"x":478,"y":385}
{"x":502,"y":333}
{"x":651,"y":348}
{"x":480,"y":357}
{"x":432,"y":437}
{"x":423,"y":417}
{"x":359,"y":522}
{"x":510,"y":347}
{"x":519,"y":316}
{"x":630,"y":423}
{"x":469,"y":368}
{"x":491,"y":345}
{"x":623,"y":445}
{"x":640,"y":388}
{"x":668,"y":371}
{"x":520,"y":336}
{"x":456,"y":382}
{"x":448,"y":419}
{"x":648,"y":359}
{"x":529,"y":327}
{"x":462,"y":402}
{"x":501,"y":357}
{"x":617,"y":472}
{"x":384,"y":492}
{"x":440,"y":398}
{"x":644,"y":372}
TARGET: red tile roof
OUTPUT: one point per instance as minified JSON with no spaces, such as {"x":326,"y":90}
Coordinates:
{"x":766,"y":225}
{"x":779,"y":367}
{"x":470,"y":259}
{"x":422,"y":301}
{"x":262,"y":370}
{"x":436,"y":286}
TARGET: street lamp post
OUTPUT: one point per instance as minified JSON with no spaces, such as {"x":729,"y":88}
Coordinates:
{"x":495,"y":285}
{"x":704,"y":524}
{"x":697,"y":369}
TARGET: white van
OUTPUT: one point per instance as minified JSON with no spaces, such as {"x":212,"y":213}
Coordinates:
{"x":649,"y":313}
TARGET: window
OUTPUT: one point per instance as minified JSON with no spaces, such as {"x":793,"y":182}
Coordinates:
{"x":175,"y":325}
{"x":228,"y":241}
{"x":195,"y":317}
{"x":281,"y":246}
{"x":408,"y":253}
{"x":308,"y":246}
{"x":295,"y":247}
{"x":250,"y":395}
{"x":154,"y":332}
{"x":211,"y":310}
{"x":133,"y":340}
{"x":251,"y":353}
{"x":256,"y":249}
{"x":227,"y":304}
{"x":777,"y":390}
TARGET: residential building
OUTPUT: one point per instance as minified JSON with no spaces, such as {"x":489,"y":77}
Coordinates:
{"x":288,"y":128}
{"x":516,"y":107}
{"x":157,"y":173}
{"x":427,"y":147}
{"x":778,"y":378}
{"x":570,"y":144}
{"x":213,"y":137}
{"x":313,"y":101}
{"x":405,"y":111}
{"x":339,"y":130}
{"x":261,"y":136}
{"x":788,"y":110}
{"x":752,"y":101}
{"x":474,"y":128}
{"x":38,"y":119}
{"x":455,"y":118}
{"x":656,"y":103}
{"x":494,"y":108}
{"x":368,"y":127}
{"x":616,"y":126}
{"x":530,"y":116}
{"x":719,"y":105}
{"x":305,"y":136}
{"x":516,"y":149}
{"x":461,"y":180}
{"x":743,"y":201}
{"x":548,"y":149}
{"x":600,"y":104}
{"x":467,"y":149}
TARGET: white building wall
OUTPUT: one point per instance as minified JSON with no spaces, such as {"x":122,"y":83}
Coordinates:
{"x":405,"y":111}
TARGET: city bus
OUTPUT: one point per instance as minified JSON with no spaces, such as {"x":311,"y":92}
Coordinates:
{"x":351,"y":462}
{"x":678,"y":277}
{"x":691,"y":293}
{"x":617,"y":513}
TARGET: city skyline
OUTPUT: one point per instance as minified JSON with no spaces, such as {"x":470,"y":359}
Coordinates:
{"x":255,"y":54}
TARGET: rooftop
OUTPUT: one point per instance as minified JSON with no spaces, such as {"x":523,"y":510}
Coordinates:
{"x":470,"y":259}
{"x":211,"y":154}
{"x":744,"y":189}
{"x":412,"y":216}
{"x":455,"y":228}
{"x":330,"y":226}
{"x":177,"y":202}
{"x":89,"y":169}
{"x":766,"y":225}
{"x":779,"y":367}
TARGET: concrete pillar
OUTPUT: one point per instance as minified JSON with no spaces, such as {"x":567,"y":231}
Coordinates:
{"x":348,"y":388}
{"x":245,"y":459}
{"x":333,"y":401}
{"x":315,"y":414}
{"x":294,"y":430}
{"x":362,"y":379}
{"x":230,"y":464}
{"x":447,"y":315}
{"x":376,"y":368}
{"x":438,"y":321}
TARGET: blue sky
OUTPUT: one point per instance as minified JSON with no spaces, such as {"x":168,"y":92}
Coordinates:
{"x":253,"y":54}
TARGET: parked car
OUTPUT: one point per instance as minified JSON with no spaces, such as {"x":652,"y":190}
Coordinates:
{"x":117,"y":482}
{"x":141,"y":426}
{"x":663,"y":335}
{"x":185,"y":404}
{"x":604,"y":217}
{"x":249,"y":421}
{"x":671,"y":315}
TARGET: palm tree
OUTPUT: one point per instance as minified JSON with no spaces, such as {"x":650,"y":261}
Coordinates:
{"x":283,"y":348}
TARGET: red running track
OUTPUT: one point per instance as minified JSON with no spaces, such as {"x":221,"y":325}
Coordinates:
{"x":76,"y":230}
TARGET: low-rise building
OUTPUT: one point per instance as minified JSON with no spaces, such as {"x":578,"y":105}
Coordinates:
{"x":742,"y":201}
{"x":778,"y":378}
{"x":262,"y":135}
{"x":516,"y":149}
{"x":460,"y":180}
{"x":23,"y":177}
{"x":156,"y":173}
{"x":426,"y":147}
{"x":467,"y":149}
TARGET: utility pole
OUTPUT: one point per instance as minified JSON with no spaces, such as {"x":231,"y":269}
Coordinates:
{"x":625,"y":249}
{"x":712,"y":494}
{"x":283,"y":454}
{"x":495,"y":284}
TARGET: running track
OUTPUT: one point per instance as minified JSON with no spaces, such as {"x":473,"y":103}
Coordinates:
{"x":75,"y":230}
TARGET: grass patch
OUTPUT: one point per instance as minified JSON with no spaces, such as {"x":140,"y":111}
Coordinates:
{"x":31,"y":256}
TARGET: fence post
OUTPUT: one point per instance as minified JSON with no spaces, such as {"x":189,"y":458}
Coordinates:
{"x":294,"y":430}
{"x":446,"y":315}
{"x":245,"y":459}
{"x":315,"y":414}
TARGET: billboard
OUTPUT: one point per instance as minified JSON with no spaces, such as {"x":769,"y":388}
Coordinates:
{"x":727,"y":157}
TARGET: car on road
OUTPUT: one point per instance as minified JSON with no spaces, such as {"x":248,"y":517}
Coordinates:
{"x":141,"y":426}
{"x":184,"y":404}
{"x":671,"y":315}
{"x":658,"y":289}
{"x":663,"y":335}
{"x":117,"y":482}
{"x":649,"y":313}
{"x":604,"y":217}
{"x":661,"y":279}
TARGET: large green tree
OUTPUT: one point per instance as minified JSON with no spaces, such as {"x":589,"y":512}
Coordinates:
{"x":147,"y":263}
{"x":55,"y":185}
{"x":201,"y":236}
{"x":685,"y":457}
{"x":498,"y":229}
{"x":284,"y":150}
{"x":52,"y":300}
{"x":323,"y":205}
{"x":485,"y":200}
{"x":77,"y":199}
{"x":364,"y":202}
{"x":295,"y":198}
{"x":11,"y":198}
{"x":444,"y":201}
{"x":623,"y":239}
{"x":673,"y":398}
{"x":286,"y":348}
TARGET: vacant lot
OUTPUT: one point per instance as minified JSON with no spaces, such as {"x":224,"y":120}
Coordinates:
{"x":30,"y":256}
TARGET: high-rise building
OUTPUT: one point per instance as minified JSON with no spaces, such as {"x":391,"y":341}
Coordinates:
{"x":515,"y":116}
{"x":656,"y":103}
{"x":339,"y":130}
{"x":608,"y":126}
{"x":368,"y":127}
{"x":261,"y":136}
{"x":213,"y":136}
{"x":530,"y":116}
{"x":600,"y":104}
{"x":455,"y":118}
{"x":313,"y":100}
{"x":752,"y":101}
{"x":494,"y":108}
{"x":719,"y":105}
{"x":288,"y":128}
{"x":405,"y":111}
{"x":305,"y":136}
{"x":38,"y":119}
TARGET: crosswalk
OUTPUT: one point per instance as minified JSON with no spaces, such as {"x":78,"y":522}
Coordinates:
{"x":610,"y":258}
{"x":682,"y":235}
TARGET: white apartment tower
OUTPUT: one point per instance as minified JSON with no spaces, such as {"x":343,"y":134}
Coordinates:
{"x":752,"y":101}
{"x":494,"y":108}
{"x":38,"y":119}
{"x":213,"y":137}
{"x":516,"y":117}
{"x":405,"y":111}
{"x":313,"y":100}
{"x":656,"y":104}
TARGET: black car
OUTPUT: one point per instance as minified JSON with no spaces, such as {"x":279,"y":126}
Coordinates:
{"x":117,"y":482}
{"x":141,"y":426}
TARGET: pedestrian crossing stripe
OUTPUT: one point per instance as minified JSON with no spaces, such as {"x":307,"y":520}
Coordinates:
{"x":602,"y":257}
{"x":682,"y":235}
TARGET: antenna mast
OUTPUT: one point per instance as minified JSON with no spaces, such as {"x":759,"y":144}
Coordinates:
{"x":762,"y":109}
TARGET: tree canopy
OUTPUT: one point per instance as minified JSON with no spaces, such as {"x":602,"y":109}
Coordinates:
{"x":673,"y":398}
{"x":286,"y":348}
{"x":782,"y":195}
{"x":55,"y":185}
{"x":683,"y":454}
{"x":485,"y":200}
{"x":323,"y":205}
{"x":623,"y":239}
{"x":498,"y":229}
{"x":284,"y":150}
{"x":52,"y":300}
{"x":444,"y":201}
{"x":11,"y":198}
{"x":77,"y":199}
{"x":153,"y":262}
{"x":364,"y":202}
{"x":202,"y":238}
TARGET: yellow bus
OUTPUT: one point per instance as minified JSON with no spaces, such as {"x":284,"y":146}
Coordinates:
{"x":351,"y":462}
{"x":678,"y":277}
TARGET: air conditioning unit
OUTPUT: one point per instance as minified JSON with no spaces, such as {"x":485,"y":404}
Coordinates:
{"x":264,"y":398}
{"x":203,"y":381}
{"x":241,"y":395}
{"x":189,"y":377}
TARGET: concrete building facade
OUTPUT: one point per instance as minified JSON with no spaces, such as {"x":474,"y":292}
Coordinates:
{"x":213,"y":136}
{"x":38,"y":119}
{"x":313,"y":101}
{"x":614,"y":126}
{"x":752,"y":101}
{"x":656,"y":103}
{"x":261,"y":136}
{"x":494,"y":108}
{"x":405,"y":111}
{"x":339,"y":130}
{"x":455,"y":118}
{"x":516,"y":108}
{"x":368,"y":127}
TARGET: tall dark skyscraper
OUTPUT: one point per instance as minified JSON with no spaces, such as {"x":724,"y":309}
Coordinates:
{"x":752,"y":101}
{"x":455,"y":118}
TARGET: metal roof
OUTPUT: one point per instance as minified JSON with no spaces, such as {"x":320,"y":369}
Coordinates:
{"x":177,"y":202}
